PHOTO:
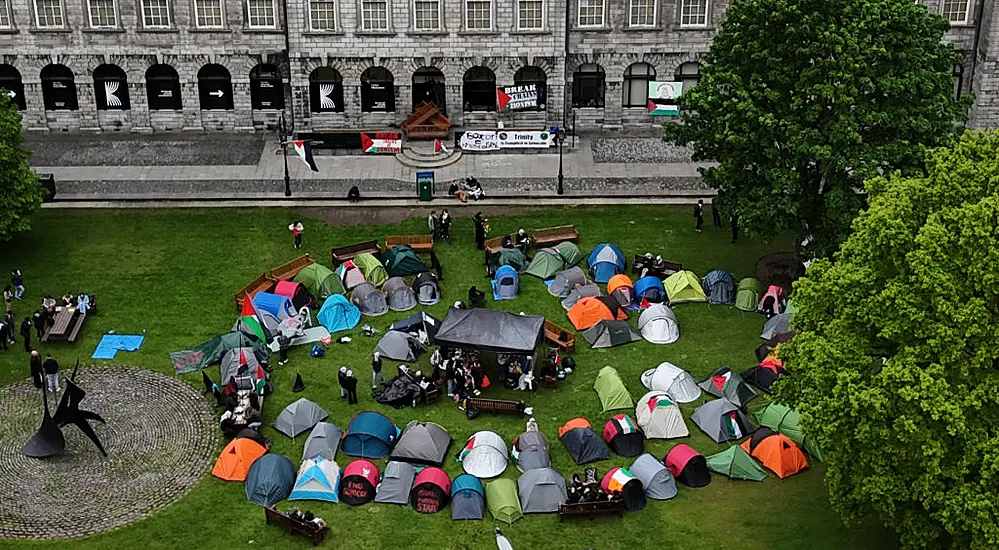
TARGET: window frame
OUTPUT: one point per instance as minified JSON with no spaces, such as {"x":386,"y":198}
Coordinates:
{"x":365,"y":20}
{"x":5,"y":5}
{"x":967,"y":13}
{"x":438,"y":27}
{"x":683,"y":78}
{"x":480,"y":87}
{"x":627,"y":101}
{"x":222,"y":19}
{"x":62,"y":15}
{"x":492,"y":15}
{"x":90,"y":15}
{"x":169,"y":15}
{"x":249,"y":16}
{"x":579,"y":15}
{"x":520,"y":26}
{"x":336,"y":15}
{"x":707,"y":15}
{"x":655,"y":16}
{"x":602,"y":99}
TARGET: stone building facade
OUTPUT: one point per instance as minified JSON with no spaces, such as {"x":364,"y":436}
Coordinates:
{"x":240,"y":65}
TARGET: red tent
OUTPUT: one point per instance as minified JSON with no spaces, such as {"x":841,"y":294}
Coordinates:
{"x":296,"y":292}
{"x":431,"y":491}
{"x":688,"y":466}
{"x":357,"y":486}
{"x":624,"y":436}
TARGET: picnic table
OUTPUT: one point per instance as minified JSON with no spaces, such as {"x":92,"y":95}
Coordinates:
{"x":67,"y":324}
{"x":553,"y":335}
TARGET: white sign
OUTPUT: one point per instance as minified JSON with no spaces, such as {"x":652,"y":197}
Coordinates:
{"x":479,"y":141}
{"x":516,"y":139}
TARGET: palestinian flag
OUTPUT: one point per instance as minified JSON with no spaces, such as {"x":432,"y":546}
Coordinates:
{"x":721,"y":380}
{"x":261,"y":380}
{"x":731,"y":425}
{"x":251,"y":320}
{"x":439,"y":147}
{"x":625,"y":424}
{"x":659,"y":401}
{"x":468,"y":448}
{"x":304,"y":150}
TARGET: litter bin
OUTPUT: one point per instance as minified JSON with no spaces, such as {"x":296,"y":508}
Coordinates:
{"x":425,"y":186}
{"x":47,"y":180}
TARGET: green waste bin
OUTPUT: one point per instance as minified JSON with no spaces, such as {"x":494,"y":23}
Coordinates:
{"x":425,"y":186}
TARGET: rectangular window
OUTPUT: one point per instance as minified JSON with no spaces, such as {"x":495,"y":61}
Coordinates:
{"x":427,"y":15}
{"x":156,"y":14}
{"x":530,"y":15}
{"x":102,"y":14}
{"x":208,"y":14}
{"x":591,"y":13}
{"x":956,"y":11}
{"x":694,"y":13}
{"x":5,"y":15}
{"x":374,"y":15}
{"x":48,"y":14}
{"x":322,"y":15}
{"x":642,"y":13}
{"x":478,"y":15}
{"x":260,"y":14}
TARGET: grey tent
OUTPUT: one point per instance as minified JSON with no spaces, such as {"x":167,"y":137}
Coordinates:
{"x":398,"y":295}
{"x":607,"y":334}
{"x":428,"y":290}
{"x":269,"y":322}
{"x":725,"y":383}
{"x":531,"y":451}
{"x":722,"y":421}
{"x":419,"y":321}
{"x":369,"y":300}
{"x":567,"y":280}
{"x":423,"y":443}
{"x":324,"y":440}
{"x":399,"y":346}
{"x":719,"y":287}
{"x":231,"y":364}
{"x":299,"y":417}
{"x":269,"y":480}
{"x":213,"y":350}
{"x":491,"y":330}
{"x":778,"y":324}
{"x":655,"y":477}
{"x":541,"y":491}
{"x":658,"y":324}
{"x":396,"y":483}
{"x":588,"y":290}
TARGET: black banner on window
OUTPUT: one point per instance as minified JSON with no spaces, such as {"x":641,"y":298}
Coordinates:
{"x":164,"y":94}
{"x":377,"y":97}
{"x":14,"y":89}
{"x":215,"y":93}
{"x":326,"y":97}
{"x":111,"y":94}
{"x":59,"y":94}
{"x":266,"y":90}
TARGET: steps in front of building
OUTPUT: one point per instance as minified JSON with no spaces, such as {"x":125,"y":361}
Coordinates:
{"x":422,"y":155}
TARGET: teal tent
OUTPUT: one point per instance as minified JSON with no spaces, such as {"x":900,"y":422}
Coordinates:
{"x":402,"y":260}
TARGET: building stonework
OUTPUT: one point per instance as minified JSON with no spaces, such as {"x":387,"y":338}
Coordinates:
{"x":594,"y":61}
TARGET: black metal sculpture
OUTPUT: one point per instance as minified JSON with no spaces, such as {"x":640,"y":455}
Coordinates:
{"x":48,"y":440}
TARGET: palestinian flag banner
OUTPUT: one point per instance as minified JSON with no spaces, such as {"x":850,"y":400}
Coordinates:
{"x":468,"y":448}
{"x":663,"y":98}
{"x":731,"y":424}
{"x":517,"y":98}
{"x":721,"y":380}
{"x":304,"y":150}
{"x":381,"y":142}
{"x":252,"y":321}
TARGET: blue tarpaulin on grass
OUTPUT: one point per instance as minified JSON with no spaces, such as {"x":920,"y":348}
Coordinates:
{"x":113,"y":343}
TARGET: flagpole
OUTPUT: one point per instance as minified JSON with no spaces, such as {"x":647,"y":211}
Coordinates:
{"x":284,"y":154}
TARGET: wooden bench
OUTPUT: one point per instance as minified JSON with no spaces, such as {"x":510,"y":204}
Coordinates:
{"x":552,"y":333}
{"x":288,"y":270}
{"x":497,"y":406}
{"x":591,"y":509}
{"x":309,"y":530}
{"x":494,"y":245}
{"x":668,"y":268}
{"x":61,"y":327}
{"x":419,"y":243}
{"x":260,"y":284}
{"x":341,"y":254}
{"x":554,"y":235}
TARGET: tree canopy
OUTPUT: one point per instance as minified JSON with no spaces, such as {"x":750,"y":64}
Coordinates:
{"x":895,"y":367}
{"x":20,"y":193}
{"x":801,"y":101}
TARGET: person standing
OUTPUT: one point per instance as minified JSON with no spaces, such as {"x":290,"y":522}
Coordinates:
{"x":296,"y":229}
{"x":8,"y":320}
{"x":436,"y":264}
{"x":8,"y":299}
{"x":51,"y":368}
{"x":283,"y":344}
{"x":376,"y":371}
{"x":18,"y":282}
{"x":35,"y":364}
{"x":26,"y":333}
{"x":480,"y":230}
{"x":432,"y":224}
{"x":38,"y":319}
{"x":715,"y":215}
{"x":341,"y":379}
{"x":733,"y":224}
{"x":4,"y":329}
{"x":699,"y":215}
{"x":351,"y":382}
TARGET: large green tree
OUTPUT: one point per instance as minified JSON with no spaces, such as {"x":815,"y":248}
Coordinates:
{"x":896,"y":363}
{"x":801,"y":101}
{"x":20,"y":193}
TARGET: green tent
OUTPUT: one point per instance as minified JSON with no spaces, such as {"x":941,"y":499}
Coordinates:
{"x":213,"y":350}
{"x":512,"y":257}
{"x":613,"y":395}
{"x":748,"y":294}
{"x":402,"y":260}
{"x":785,"y":420}
{"x":373,"y":271}
{"x":684,"y":286}
{"x":503,"y":500}
{"x":569,"y":252}
{"x":546,"y":263}
{"x":320,"y":281}
{"x":736,"y":463}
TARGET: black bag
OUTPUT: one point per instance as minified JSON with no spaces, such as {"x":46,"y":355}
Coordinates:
{"x":472,"y":412}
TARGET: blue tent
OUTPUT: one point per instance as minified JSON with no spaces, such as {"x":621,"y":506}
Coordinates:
{"x":338,"y":314}
{"x":605,"y":261}
{"x":279,"y":306}
{"x":370,"y":435}
{"x":318,"y":479}
{"x":506,"y":284}
{"x":467,"y":498}
{"x":651,"y":289}
{"x":269,"y":479}
{"x":719,"y":286}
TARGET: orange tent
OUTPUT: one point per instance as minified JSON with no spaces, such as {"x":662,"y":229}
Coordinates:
{"x":778,"y":453}
{"x":621,"y":288}
{"x":573,"y":424}
{"x":591,"y":310}
{"x":236,"y":458}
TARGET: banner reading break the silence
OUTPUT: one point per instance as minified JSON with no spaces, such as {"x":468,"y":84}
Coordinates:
{"x":520,"y":98}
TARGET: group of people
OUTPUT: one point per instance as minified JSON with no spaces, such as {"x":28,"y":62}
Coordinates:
{"x":469,"y":188}
{"x":348,"y":384}
{"x":461,"y":371}
{"x":440,"y":225}
{"x":733,"y":220}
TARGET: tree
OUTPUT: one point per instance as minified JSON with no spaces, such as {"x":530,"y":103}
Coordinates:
{"x":801,"y":101}
{"x":20,"y":193}
{"x":895,"y":367}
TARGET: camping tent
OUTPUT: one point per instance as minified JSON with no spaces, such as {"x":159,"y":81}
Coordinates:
{"x":398,"y":295}
{"x":431,"y":491}
{"x":778,"y":324}
{"x":323,"y":440}
{"x":773,"y":301}
{"x":722,"y":421}
{"x":605,"y":261}
{"x":659,"y":416}
{"x":621,"y":289}
{"x":620,"y":480}
{"x":582,"y":442}
{"x":428,"y":290}
{"x":650,"y":289}
{"x":541,"y":491}
{"x":370,"y":435}
{"x":655,"y":477}
{"x":763,"y":375}
{"x":296,"y":292}
{"x":546,"y":263}
{"x":719,"y":286}
{"x":530,"y":450}
{"x":624,"y":436}
{"x":396,"y":483}
{"x":506,"y":284}
{"x":725,"y":383}
{"x":687,"y":466}
{"x":785,"y":420}
{"x":357,"y":487}
{"x":338,"y":314}
{"x":768,"y":347}
{"x":735,"y":463}
{"x":369,"y":300}
{"x":277,"y":305}
{"x":570,"y":253}
{"x":589,"y":290}
{"x":422,"y":443}
{"x":318,"y":479}
{"x":684,"y":286}
{"x":748,"y":293}
{"x":501,"y":495}
{"x":588,"y":311}
{"x":236,"y":459}
{"x":212,"y":351}
{"x":320,"y":281}
{"x":611,"y":390}
{"x":350,"y":273}
{"x":233,"y":361}
{"x":373,"y":270}
{"x":673,"y":380}
{"x":776,"y":451}
{"x":491,"y":330}
{"x":468,"y":499}
{"x":399,"y":346}
{"x":658,"y":324}
{"x":512,"y":257}
{"x":567,"y":280}
{"x":402,"y":260}
{"x":269,"y":480}
{"x":484,"y":455}
{"x":416,"y":323}
{"x":300,"y":416}
{"x":607,"y":334}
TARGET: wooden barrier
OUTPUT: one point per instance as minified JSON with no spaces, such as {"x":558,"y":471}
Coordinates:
{"x":553,"y":235}
{"x":341,"y":254}
{"x":288,"y":270}
{"x":419,"y":243}
{"x":553,"y":335}
{"x":591,"y":509}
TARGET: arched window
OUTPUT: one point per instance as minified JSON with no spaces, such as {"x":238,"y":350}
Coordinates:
{"x":689,"y":74}
{"x":326,"y":91}
{"x":479,"y":89}
{"x":377,"y":90}
{"x":111,"y":88}
{"x":636,"y":84}
{"x":588,"y":86}
{"x":215,"y":88}
{"x":266,"y":87}
{"x":59,"y":88}
{"x":429,"y":85}
{"x":528,"y":79}
{"x":163,"y":88}
{"x":12,"y":86}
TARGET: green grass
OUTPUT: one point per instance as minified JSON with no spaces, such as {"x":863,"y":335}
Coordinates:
{"x":173,"y":274}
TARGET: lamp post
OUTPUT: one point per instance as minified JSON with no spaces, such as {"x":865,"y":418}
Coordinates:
{"x":560,"y":138}
{"x":284,"y":139}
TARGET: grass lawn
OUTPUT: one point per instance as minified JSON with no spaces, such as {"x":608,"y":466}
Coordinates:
{"x":173,"y":274}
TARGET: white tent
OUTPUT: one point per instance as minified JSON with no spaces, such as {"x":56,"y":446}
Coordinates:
{"x":658,"y":324}
{"x":318,"y":479}
{"x":484,"y":455}
{"x":660,"y":417}
{"x":673,"y":380}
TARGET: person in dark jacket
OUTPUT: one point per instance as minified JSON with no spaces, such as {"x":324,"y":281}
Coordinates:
{"x":480,"y":230}
{"x":715,"y":215}
{"x":35,"y":364}
{"x":4,"y":331}
{"x":733,"y":224}
{"x":17,"y":281}
{"x":340,"y":378}
{"x":350,"y":381}
{"x":38,"y":319}
{"x":699,"y":215}
{"x":26,"y":334}
{"x":51,"y":368}
{"x":376,"y":371}
{"x":436,"y":264}
{"x":283,"y":344}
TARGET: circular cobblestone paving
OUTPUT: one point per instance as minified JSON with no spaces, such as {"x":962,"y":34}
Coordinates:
{"x":160,"y":437}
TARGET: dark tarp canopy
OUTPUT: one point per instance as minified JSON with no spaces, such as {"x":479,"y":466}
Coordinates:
{"x":491,"y":330}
